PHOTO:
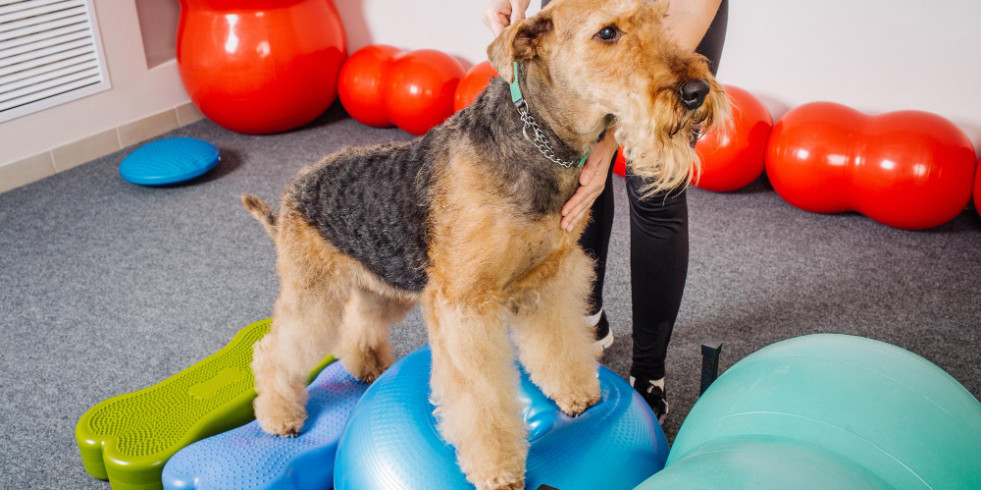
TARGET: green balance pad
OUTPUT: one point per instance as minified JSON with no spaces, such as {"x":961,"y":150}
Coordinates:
{"x":127,"y":439}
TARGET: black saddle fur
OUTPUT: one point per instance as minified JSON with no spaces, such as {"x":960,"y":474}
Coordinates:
{"x":373,"y":203}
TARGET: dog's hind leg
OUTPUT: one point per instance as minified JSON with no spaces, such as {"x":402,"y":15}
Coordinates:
{"x":554,"y":343}
{"x":304,"y":329}
{"x":474,"y":387}
{"x":364,"y":348}
{"x":305,"y":324}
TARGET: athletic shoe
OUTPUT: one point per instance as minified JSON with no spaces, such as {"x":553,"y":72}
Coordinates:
{"x":654,"y":394}
{"x":602,"y":331}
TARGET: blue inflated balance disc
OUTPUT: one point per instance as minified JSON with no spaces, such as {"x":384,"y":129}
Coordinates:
{"x":169,"y":161}
{"x":391,"y":441}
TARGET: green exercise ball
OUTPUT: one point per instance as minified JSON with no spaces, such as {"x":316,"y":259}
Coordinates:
{"x":829,"y":411}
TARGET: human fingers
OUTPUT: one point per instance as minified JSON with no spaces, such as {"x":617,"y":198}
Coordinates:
{"x":496,"y":15}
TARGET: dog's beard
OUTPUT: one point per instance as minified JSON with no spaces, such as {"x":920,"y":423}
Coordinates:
{"x":657,"y":138}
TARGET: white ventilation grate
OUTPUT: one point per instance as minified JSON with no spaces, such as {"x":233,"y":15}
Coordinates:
{"x":50,"y":53}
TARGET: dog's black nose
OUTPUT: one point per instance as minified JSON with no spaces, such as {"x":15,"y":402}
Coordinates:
{"x":693,"y":93}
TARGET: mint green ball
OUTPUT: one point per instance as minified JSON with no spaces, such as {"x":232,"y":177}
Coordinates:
{"x":829,"y":411}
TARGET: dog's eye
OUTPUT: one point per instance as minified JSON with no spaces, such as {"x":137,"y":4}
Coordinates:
{"x":608,"y":33}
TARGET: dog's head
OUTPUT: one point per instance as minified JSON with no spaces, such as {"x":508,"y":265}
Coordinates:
{"x":615,"y":58}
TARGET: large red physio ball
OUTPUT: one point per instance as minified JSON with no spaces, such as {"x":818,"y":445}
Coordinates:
{"x":907,"y":169}
{"x":733,"y":158}
{"x":473,"y":83}
{"x":419,"y":87}
{"x":360,"y":84}
{"x":261,"y":68}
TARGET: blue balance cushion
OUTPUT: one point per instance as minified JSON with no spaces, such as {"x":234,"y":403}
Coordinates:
{"x":169,"y":161}
{"x":247,"y":457}
{"x":391,"y":440}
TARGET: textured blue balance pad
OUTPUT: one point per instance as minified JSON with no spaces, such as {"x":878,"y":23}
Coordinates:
{"x":169,"y":161}
{"x":248,"y":458}
{"x":391,"y":440}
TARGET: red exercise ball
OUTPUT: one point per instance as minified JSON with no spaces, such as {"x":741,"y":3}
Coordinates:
{"x":264,"y":67}
{"x":473,"y":83}
{"x":419,"y":89}
{"x":977,"y":188}
{"x":906,"y":169}
{"x":360,"y":84}
{"x":620,"y":164}
{"x":733,"y":159}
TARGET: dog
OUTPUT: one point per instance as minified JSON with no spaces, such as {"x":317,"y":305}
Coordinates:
{"x":465,"y":221}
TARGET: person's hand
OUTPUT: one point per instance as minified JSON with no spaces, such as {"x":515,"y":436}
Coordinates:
{"x":591,"y":182}
{"x":501,"y":13}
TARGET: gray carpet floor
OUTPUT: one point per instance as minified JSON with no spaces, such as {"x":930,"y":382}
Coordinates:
{"x":108,"y":287}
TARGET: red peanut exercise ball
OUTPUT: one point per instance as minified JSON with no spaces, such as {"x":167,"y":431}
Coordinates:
{"x":262,"y":67}
{"x":733,"y":159}
{"x":360,"y":84}
{"x":419,"y":89}
{"x":908,"y":169}
{"x":472,"y":84}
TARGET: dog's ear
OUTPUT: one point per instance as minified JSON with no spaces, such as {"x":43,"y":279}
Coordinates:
{"x":518,"y":42}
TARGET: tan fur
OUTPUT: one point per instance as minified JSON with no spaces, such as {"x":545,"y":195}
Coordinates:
{"x":635,"y":80}
{"x":489,"y":266}
{"x":262,"y":212}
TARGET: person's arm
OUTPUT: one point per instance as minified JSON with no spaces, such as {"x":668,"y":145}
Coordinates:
{"x":689,"y":20}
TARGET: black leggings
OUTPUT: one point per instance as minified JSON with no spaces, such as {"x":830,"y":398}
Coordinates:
{"x":658,"y":245}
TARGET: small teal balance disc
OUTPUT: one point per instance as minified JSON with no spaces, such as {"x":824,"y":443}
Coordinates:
{"x":169,"y":161}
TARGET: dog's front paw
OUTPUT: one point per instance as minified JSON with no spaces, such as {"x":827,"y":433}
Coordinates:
{"x":577,"y":401}
{"x":494,"y":466}
{"x":278,"y":417}
{"x":501,"y":482}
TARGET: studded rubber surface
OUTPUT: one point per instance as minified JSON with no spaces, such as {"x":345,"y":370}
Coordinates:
{"x":169,"y":161}
{"x":128,"y":438}
{"x":248,"y":458}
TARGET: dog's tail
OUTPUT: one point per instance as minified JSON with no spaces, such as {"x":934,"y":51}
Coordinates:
{"x":262,"y":212}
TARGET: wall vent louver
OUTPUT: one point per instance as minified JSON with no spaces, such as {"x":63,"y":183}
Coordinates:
{"x":50,"y":53}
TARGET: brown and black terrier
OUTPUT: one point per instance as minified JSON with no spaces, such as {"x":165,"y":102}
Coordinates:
{"x":465,"y":220}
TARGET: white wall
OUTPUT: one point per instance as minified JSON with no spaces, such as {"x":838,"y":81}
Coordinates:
{"x":453,"y":26}
{"x":136,"y":92}
{"x":874,"y":55}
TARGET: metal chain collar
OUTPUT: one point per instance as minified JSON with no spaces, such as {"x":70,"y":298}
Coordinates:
{"x":540,"y":140}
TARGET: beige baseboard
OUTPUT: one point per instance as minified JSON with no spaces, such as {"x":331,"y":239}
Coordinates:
{"x":36,"y":167}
